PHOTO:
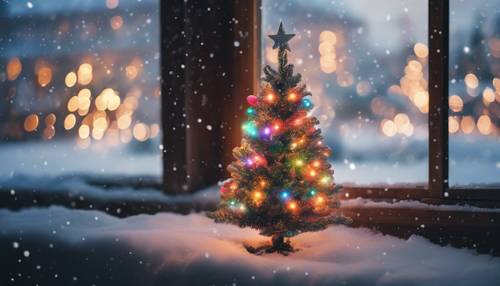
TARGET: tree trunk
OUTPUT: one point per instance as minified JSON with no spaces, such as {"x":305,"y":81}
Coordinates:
{"x":278,"y":245}
{"x":278,"y":241}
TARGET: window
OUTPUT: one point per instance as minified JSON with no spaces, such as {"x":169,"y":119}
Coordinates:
{"x":473,"y":99}
{"x":80,"y":87}
{"x":367,"y":67}
{"x":474,"y":90}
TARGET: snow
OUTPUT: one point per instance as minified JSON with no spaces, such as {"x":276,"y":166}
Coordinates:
{"x":63,"y":157}
{"x":78,"y":186}
{"x":193,"y":250}
{"x":411,"y":204}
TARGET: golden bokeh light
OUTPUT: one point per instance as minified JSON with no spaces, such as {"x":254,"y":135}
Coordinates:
{"x":69,"y":121}
{"x":141,"y":132}
{"x":496,"y":84}
{"x":456,"y":103}
{"x":484,"y":125}
{"x":453,"y":124}
{"x":154,"y":130}
{"x":401,"y":119}
{"x":112,"y":4}
{"x":471,"y":81}
{"x":415,"y":66}
{"x":31,"y":123}
{"x":363,"y":88}
{"x":100,"y":123}
{"x":124,"y":121}
{"x":85,"y":74}
{"x":44,"y":76}
{"x":328,"y":36}
{"x":84,"y":93}
{"x":389,"y":128}
{"x":70,"y":79}
{"x":114,"y":102}
{"x":488,"y":96}
{"x":116,"y":22}
{"x":49,"y":132}
{"x":327,"y":51}
{"x":73,"y":104}
{"x":97,"y":134}
{"x":131,"y":71}
{"x":421,"y":99}
{"x":83,"y":103}
{"x":84,"y":131}
{"x":326,"y":48}
{"x":50,"y":119}
{"x":467,"y":124}
{"x":421,"y":50}
{"x":14,"y":68}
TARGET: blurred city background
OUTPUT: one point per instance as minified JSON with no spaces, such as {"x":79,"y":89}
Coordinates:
{"x":366,"y":63}
{"x":79,"y":85}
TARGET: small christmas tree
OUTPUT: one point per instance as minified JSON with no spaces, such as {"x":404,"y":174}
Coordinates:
{"x":281,"y":182}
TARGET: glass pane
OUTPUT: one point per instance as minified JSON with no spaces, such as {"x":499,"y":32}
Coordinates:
{"x":79,"y":87}
{"x":474,"y":119}
{"x":365,"y":63}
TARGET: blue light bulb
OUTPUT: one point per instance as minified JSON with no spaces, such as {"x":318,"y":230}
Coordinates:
{"x":251,"y":111}
{"x":312,"y":192}
{"x":306,"y":103}
{"x":250,"y":129}
{"x":284,"y":195}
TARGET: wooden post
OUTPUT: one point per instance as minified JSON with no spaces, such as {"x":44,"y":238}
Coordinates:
{"x":438,"y":96}
{"x":208,"y":68}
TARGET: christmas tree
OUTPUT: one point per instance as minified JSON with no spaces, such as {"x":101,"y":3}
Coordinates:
{"x":281,"y":182}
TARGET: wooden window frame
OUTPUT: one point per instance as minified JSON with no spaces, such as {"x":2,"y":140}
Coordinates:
{"x":175,"y":18}
{"x":437,"y":189}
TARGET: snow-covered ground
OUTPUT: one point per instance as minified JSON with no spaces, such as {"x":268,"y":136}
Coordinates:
{"x":170,"y":249}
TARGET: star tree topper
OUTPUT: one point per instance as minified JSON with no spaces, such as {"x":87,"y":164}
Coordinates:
{"x":281,"y":39}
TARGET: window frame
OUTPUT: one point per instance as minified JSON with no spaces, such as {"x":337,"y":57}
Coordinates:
{"x":249,"y":18}
{"x":437,"y":189}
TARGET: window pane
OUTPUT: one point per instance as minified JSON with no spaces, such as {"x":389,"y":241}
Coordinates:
{"x":366,"y":64}
{"x":79,"y":87}
{"x":474,"y":119}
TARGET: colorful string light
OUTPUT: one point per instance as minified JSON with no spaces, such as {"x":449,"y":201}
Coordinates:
{"x":292,"y":205}
{"x":251,"y":111}
{"x":299,"y":163}
{"x":292,"y":97}
{"x":270,"y":98}
{"x":306,"y":103}
{"x":284,"y":195}
{"x":249,"y":128}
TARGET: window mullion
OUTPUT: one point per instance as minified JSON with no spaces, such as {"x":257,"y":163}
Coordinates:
{"x":438,"y":96}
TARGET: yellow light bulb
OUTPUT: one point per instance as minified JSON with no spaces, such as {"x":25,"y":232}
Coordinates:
{"x":233,"y":186}
{"x":257,"y":195}
{"x":270,"y":98}
{"x":292,"y":96}
{"x":320,"y":200}
{"x":312,"y":173}
{"x":263,"y":183}
{"x":299,"y":163}
{"x":292,"y":206}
